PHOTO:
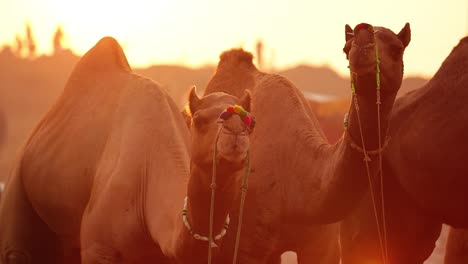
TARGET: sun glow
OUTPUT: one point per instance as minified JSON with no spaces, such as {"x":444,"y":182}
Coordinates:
{"x":194,"y":33}
{"x":128,"y":21}
{"x":85,"y":22}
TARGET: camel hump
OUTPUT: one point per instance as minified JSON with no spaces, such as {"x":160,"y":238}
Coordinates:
{"x":462,"y":46}
{"x":457,"y":59}
{"x":236,"y":57}
{"x":461,"y":49}
{"x":104,"y":63}
{"x":464,"y":40}
{"x":106,"y":55}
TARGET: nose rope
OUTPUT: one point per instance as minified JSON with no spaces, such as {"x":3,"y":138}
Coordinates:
{"x":244,"y":187}
{"x":377,"y":78}
{"x":213,"y":192}
{"x":382,"y":237}
{"x":249,"y":121}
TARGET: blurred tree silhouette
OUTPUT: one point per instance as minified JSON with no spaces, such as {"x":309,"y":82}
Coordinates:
{"x":19,"y":46}
{"x":57,"y":40}
{"x":30,"y":41}
{"x":259,"y":49}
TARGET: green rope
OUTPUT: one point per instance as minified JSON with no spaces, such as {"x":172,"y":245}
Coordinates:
{"x":384,"y":224}
{"x":353,"y":87}
{"x":377,"y":62}
{"x":377,"y":78}
{"x":245,"y":185}
{"x":383,"y":244}
{"x":213,"y":191}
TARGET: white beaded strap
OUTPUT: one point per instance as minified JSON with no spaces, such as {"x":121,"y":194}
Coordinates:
{"x":359,"y":148}
{"x":198,"y":236}
{"x":369,"y":152}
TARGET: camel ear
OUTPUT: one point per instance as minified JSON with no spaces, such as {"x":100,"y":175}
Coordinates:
{"x":405,"y":35}
{"x":187,"y":116}
{"x":245,"y":101}
{"x":193,"y":100}
{"x":349,"y":34}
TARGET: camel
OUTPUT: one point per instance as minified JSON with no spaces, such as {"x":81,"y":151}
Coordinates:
{"x":300,"y":184}
{"x":424,"y":170}
{"x":112,"y":175}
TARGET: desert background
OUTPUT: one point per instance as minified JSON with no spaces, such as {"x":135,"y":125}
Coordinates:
{"x":29,"y":87}
{"x":177,"y":43}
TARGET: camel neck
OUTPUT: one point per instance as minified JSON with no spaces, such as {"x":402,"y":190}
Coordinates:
{"x":186,"y":247}
{"x":343,"y":172}
{"x":199,"y":196}
{"x":364,"y":116}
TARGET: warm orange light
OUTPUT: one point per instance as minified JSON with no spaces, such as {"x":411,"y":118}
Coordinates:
{"x":196,"y":32}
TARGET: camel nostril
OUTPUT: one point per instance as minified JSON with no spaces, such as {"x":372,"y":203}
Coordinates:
{"x":228,"y":131}
{"x":363,"y":34}
{"x":233,"y":130}
{"x":236,"y":134}
{"x":361,"y":26}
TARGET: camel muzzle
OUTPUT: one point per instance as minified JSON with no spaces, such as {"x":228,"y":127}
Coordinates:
{"x":364,"y":35}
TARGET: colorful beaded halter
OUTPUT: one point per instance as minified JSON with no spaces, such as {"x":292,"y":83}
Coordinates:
{"x":246,"y":117}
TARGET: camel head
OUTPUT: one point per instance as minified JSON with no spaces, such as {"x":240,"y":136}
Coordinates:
{"x":233,"y":141}
{"x":360,"y":49}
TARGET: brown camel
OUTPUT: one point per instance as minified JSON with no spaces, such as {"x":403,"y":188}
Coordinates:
{"x":107,"y":170}
{"x":425,"y":171}
{"x":298,"y":180}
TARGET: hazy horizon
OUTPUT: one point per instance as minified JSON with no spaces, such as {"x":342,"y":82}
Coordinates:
{"x":193,"y":33}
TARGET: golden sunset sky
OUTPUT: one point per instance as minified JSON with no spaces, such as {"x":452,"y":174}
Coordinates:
{"x":194,"y":33}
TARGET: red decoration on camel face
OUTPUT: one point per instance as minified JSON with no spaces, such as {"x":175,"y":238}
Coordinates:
{"x":362,"y":26}
{"x":246,"y":117}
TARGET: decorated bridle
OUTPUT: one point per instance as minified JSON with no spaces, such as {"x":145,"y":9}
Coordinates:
{"x":246,"y":117}
{"x":382,"y":238}
{"x":249,"y":121}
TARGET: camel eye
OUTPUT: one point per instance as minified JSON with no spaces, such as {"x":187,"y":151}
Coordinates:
{"x":199,"y":120}
{"x":396,"y":51}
